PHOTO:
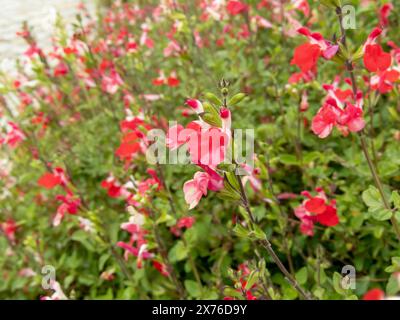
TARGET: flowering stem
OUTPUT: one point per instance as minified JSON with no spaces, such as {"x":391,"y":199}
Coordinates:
{"x":364,"y":145}
{"x":174,"y":211}
{"x":266,"y":244}
{"x":164,"y":254}
{"x":378,"y":183}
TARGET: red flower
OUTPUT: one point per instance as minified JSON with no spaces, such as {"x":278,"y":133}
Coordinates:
{"x":383,"y":81}
{"x":161,"y":267}
{"x":316,"y":209}
{"x":9,"y":228}
{"x":236,"y":7}
{"x":186,"y":222}
{"x":375,"y":59}
{"x":306,"y":56}
{"x":374,"y":294}
{"x":384,"y":13}
{"x":173,"y":81}
{"x":49,"y":180}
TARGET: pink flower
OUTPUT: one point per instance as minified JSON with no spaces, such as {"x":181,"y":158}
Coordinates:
{"x":338,"y":111}
{"x":69,"y":205}
{"x":186,"y":222}
{"x":111,"y":83}
{"x":352,"y":118}
{"x":252,"y":177}
{"x":196,"y":105}
{"x":303,"y":6}
{"x":58,"y":292}
{"x":13,"y":136}
{"x":61,"y":70}
{"x":324,"y":121}
{"x":196,"y":188}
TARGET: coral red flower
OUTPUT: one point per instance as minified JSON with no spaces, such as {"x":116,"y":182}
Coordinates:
{"x":375,"y":59}
{"x":161,"y":267}
{"x":236,"y":7}
{"x":9,"y":229}
{"x":316,"y":209}
{"x":384,"y":81}
{"x":374,"y":294}
{"x":306,"y":56}
{"x":49,"y":180}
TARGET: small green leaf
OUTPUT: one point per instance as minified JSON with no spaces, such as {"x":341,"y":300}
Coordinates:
{"x":372,"y":198}
{"x":253,"y":277}
{"x":240,"y":231}
{"x":193,"y":288}
{"x":237,"y":98}
{"x":288,"y":159}
{"x":213,"y":99}
{"x":392,"y":286}
{"x":230,"y":292}
{"x":337,"y":283}
{"x":381,"y":214}
{"x":178,"y":252}
{"x":395,"y":198}
{"x":212,"y":119}
{"x":301,"y":275}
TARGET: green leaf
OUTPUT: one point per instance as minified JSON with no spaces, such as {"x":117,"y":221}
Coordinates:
{"x":240,"y":231}
{"x":337,"y":283}
{"x":381,"y":214}
{"x":251,"y":280}
{"x":237,"y":98}
{"x":232,"y":180}
{"x":212,"y":119}
{"x":301,"y":275}
{"x":288,"y":159}
{"x":213,"y":99}
{"x":372,"y":198}
{"x":193,"y":288}
{"x":228,"y":167}
{"x":209,"y":108}
{"x":178,"y":252}
{"x":395,"y":198}
{"x":392,"y":286}
{"x":230,"y":292}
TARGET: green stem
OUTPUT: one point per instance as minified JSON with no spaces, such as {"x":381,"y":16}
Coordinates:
{"x":266,"y":244}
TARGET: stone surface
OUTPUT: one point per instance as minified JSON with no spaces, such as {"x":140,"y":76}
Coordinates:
{"x":39,"y":14}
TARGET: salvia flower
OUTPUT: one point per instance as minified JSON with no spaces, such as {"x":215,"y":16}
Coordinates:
{"x":316,"y":209}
